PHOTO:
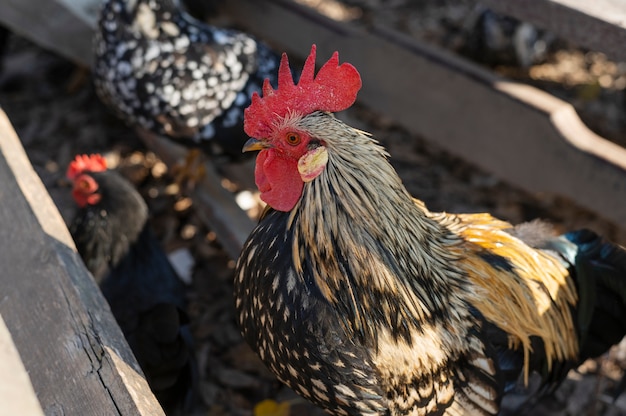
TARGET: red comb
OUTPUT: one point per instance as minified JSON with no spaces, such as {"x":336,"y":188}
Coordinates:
{"x":333,"y":89}
{"x":84,"y":163}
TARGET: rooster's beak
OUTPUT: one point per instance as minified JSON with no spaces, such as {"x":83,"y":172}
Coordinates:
{"x":254,"y":144}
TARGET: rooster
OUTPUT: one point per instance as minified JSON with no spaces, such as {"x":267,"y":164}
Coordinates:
{"x":146,"y":296}
{"x":160,"y":69}
{"x":363,"y":301}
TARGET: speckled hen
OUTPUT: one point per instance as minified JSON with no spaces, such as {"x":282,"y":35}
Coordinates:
{"x":366,"y":303}
{"x":159,"y":68}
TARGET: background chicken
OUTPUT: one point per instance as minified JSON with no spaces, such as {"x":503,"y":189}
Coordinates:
{"x":364,"y":302}
{"x":148,"y":300}
{"x":160,"y":69}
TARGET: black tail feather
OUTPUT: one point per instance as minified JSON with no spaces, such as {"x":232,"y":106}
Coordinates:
{"x":162,"y":344}
{"x":599,"y":269}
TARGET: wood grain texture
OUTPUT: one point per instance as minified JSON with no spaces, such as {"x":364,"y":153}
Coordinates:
{"x":69,"y":343}
{"x":16,"y":392}
{"x":63,"y":26}
{"x":598,"y":25}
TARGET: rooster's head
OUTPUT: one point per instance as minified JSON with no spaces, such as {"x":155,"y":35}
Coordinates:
{"x":277,"y":122}
{"x":85,"y":187}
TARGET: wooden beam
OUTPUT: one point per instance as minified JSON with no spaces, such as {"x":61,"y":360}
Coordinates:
{"x":599,"y":25}
{"x":519,"y":133}
{"x":16,"y":393}
{"x":69,"y":343}
{"x":63,"y":26}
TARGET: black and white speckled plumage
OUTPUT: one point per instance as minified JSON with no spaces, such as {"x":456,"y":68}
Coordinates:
{"x":296,"y":332}
{"x":321,"y":297}
{"x":160,"y":69}
{"x":366,"y":303}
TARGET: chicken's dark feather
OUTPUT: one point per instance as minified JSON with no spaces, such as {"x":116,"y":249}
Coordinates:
{"x":144,"y":292}
{"x":598,"y":269}
{"x":319,"y":337}
{"x":104,"y":233}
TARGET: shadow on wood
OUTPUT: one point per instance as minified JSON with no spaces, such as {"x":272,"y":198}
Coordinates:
{"x":598,"y":25}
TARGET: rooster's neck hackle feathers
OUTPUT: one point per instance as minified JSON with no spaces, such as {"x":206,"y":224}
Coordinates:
{"x":412,"y":249}
{"x":333,"y":89}
{"x":393,"y":250}
{"x":398,"y":276}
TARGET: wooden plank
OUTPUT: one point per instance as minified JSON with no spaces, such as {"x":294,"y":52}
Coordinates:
{"x":16,"y":392}
{"x":63,"y":26}
{"x":519,"y":133}
{"x":77,"y":358}
{"x":598,"y":25}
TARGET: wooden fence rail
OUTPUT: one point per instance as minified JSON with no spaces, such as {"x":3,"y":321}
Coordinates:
{"x":69,"y":344}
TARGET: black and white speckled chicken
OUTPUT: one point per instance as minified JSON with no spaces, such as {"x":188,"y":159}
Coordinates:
{"x":160,"y":69}
{"x":366,"y":303}
{"x":147,"y":298}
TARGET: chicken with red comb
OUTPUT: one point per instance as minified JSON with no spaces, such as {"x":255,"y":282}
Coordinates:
{"x":113,"y":236}
{"x":366,"y":303}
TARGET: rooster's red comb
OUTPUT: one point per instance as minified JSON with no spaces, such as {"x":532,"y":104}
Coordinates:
{"x":84,"y":163}
{"x":333,"y":89}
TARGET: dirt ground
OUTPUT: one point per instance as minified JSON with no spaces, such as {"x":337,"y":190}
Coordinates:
{"x":54,"y":110}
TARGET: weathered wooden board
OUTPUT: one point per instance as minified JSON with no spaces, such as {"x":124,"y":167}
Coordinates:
{"x":16,"y":393}
{"x":63,"y":26}
{"x":521,"y":134}
{"x":599,"y":25}
{"x":68,"y":341}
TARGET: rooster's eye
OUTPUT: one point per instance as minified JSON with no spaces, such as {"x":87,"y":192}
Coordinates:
{"x":293,"y":138}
